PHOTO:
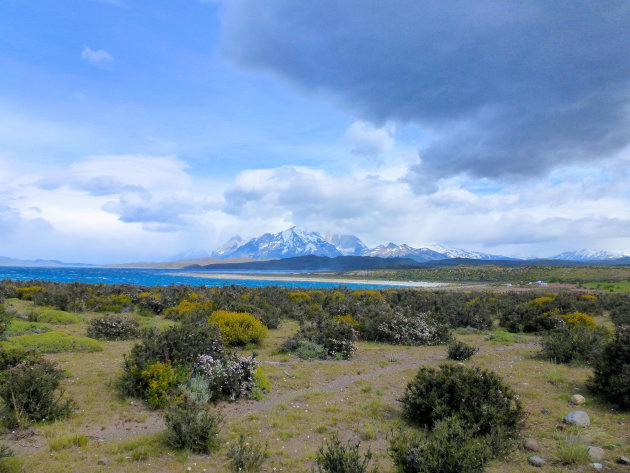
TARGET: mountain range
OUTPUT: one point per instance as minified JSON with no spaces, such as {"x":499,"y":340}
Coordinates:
{"x":296,"y":242}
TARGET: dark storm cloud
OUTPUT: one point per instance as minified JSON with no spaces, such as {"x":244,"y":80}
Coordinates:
{"x":506,"y":88}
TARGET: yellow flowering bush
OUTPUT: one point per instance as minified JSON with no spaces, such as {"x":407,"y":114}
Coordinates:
{"x":159,"y":378}
{"x":187,"y":309}
{"x":299,"y":296}
{"x":239,"y":328}
{"x":579,"y":319}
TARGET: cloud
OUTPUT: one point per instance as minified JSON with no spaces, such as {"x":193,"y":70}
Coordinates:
{"x":368,"y":140}
{"x":97,"y":56}
{"x":503,"y":90}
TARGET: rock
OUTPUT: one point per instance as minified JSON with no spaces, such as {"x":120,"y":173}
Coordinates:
{"x":597,"y":466}
{"x":579,"y":418}
{"x":596,"y":453}
{"x":577,"y":399}
{"x":531,"y":445}
{"x":536,"y":461}
{"x":545,"y":411}
{"x":623,"y":460}
{"x":102,"y":461}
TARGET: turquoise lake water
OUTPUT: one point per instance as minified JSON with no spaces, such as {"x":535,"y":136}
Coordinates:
{"x":153,"y":277}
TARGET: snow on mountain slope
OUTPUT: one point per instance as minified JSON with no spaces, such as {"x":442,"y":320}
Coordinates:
{"x":349,"y":245}
{"x":588,"y":255}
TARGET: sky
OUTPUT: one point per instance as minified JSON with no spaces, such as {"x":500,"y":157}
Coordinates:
{"x":141,"y":130}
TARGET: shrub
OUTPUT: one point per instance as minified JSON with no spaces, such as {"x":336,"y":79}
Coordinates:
{"x":189,"y":425}
{"x":12,"y":355}
{"x":620,"y":315}
{"x":612,"y":369}
{"x":262,"y":385}
{"x":310,"y":350}
{"x":332,"y":337}
{"x":54,"y":342}
{"x":5,"y":319}
{"x":460,"y":351}
{"x":231,"y":377}
{"x":239,"y":328}
{"x":29,"y":393}
{"x":335,"y":457}
{"x":190,"y":309}
{"x":478,"y":397}
{"x":412,"y":330}
{"x":159,"y":379}
{"x":450,"y":448}
{"x":181,"y":344}
{"x":573,"y":344}
{"x":579,"y":319}
{"x":8,"y":462}
{"x":68,"y":441}
{"x":113,"y":327}
{"x":246,"y":456}
{"x":52,"y":316}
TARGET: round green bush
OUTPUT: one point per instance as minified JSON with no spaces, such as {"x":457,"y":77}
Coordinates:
{"x":479,"y":398}
{"x":612,"y":370}
{"x":460,"y":351}
{"x":113,"y":327}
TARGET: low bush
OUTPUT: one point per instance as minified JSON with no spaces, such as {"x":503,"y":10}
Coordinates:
{"x":579,"y":319}
{"x":460,"y":351}
{"x":620,"y":315}
{"x":239,"y":328}
{"x":54,"y":342}
{"x":5,"y":319}
{"x":450,"y":447}
{"x":334,"y":456}
{"x":190,"y":426}
{"x":611,"y":378}
{"x":479,"y":398}
{"x":574,"y":343}
{"x":52,"y":316}
{"x":113,"y":327}
{"x":231,"y":377}
{"x":333,"y":337}
{"x":8,"y":461}
{"x":262,"y":385}
{"x":413,"y":330}
{"x":109,"y":303}
{"x":30,"y":393}
{"x":247,"y":456}
{"x":190,"y":310}
{"x":12,"y":355}
{"x":159,"y":381}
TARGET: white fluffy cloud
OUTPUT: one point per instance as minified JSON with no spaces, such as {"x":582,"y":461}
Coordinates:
{"x":368,"y":140}
{"x":96,"y":56}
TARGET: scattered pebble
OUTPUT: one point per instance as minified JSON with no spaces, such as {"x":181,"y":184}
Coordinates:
{"x":545,"y":411}
{"x":531,"y":445}
{"x":596,"y":453}
{"x":577,"y":399}
{"x":536,"y":461}
{"x":624,"y":460}
{"x":102,"y":461}
{"x":597,"y":466}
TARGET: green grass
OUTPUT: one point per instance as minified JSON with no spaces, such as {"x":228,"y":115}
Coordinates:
{"x":572,"y":452}
{"x":22,"y":327}
{"x":619,"y":286}
{"x":52,"y":316}
{"x":504,"y":338}
{"x":55,"y":342}
{"x":68,"y":441}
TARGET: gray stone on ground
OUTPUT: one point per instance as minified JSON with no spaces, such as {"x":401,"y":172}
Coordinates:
{"x":577,"y":399}
{"x":579,"y":418}
{"x":103,"y":461}
{"x":624,"y":460}
{"x":536,"y":461}
{"x":545,"y":411}
{"x":531,"y":445}
{"x":597,"y":466}
{"x":596,"y":453}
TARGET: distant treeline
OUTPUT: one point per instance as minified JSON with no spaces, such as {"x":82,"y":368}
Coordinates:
{"x":502,"y":274}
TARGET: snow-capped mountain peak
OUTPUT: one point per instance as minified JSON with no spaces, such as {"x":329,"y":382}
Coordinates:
{"x":588,"y":255}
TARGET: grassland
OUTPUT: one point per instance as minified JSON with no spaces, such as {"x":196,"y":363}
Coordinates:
{"x":309,"y":400}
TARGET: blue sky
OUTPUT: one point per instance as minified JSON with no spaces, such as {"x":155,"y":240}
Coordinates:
{"x":137,"y":130}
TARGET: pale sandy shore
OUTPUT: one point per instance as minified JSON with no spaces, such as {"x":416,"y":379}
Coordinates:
{"x":290,"y":277}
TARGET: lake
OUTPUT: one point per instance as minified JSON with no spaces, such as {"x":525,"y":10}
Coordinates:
{"x":162,"y":277}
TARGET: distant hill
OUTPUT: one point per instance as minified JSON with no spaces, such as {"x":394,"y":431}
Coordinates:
{"x":312,"y":263}
{"x":38,"y":263}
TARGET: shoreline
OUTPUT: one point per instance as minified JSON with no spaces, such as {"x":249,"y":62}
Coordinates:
{"x":289,"y":278}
